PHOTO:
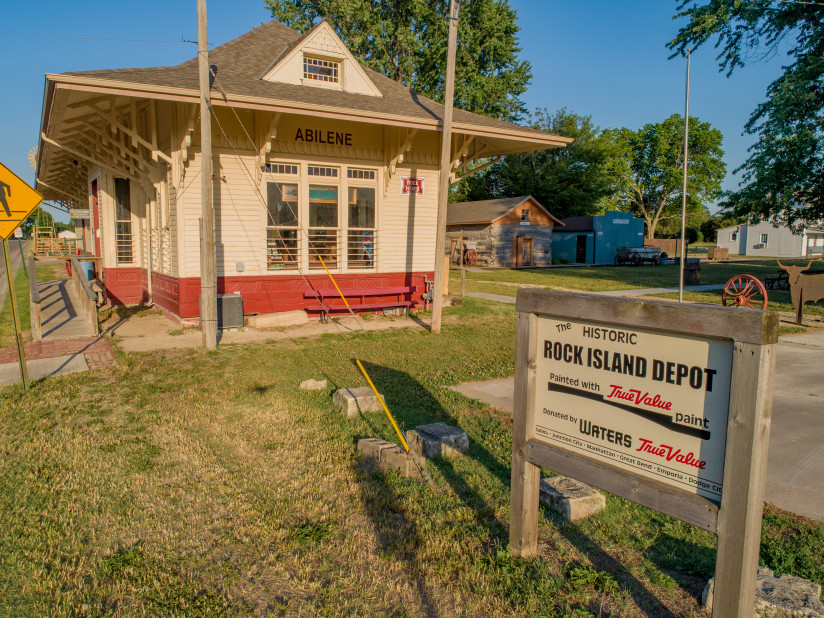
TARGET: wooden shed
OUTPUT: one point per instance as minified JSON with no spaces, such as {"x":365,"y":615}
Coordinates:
{"x":314,"y":156}
{"x":510,"y":233}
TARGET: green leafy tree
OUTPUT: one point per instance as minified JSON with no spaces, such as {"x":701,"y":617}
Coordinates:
{"x":713,"y":224}
{"x":783,"y":178}
{"x":567,"y":181}
{"x":406,"y":40}
{"x":647,"y":169}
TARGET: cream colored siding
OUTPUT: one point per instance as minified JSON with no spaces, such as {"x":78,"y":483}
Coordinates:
{"x":407,"y":224}
{"x":189,"y":211}
{"x":240,"y":217}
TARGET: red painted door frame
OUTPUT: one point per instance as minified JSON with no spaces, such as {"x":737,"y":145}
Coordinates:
{"x":96,"y":215}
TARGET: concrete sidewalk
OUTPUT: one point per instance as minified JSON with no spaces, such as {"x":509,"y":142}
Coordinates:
{"x":795,"y":470}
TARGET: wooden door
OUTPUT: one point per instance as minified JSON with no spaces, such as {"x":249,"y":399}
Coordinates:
{"x":521,"y":251}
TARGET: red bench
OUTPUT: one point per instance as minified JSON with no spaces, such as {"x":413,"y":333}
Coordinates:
{"x":357,"y":299}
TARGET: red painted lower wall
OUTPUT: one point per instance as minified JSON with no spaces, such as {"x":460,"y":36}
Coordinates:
{"x":125,"y":286}
{"x":261,"y":294}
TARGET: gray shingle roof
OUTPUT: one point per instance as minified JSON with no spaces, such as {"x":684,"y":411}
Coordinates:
{"x":241,"y":62}
{"x":487,"y":211}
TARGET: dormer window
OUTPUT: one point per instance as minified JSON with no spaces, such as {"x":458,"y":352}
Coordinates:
{"x":320,"y":70}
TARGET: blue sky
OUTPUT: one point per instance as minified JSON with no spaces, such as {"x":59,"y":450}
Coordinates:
{"x":601,"y":58}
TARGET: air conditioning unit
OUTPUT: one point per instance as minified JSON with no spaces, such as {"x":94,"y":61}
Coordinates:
{"x":229,"y":311}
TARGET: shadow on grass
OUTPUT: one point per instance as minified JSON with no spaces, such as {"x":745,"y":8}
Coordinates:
{"x":643,"y":597}
{"x":397,"y":532}
{"x":410,"y":400}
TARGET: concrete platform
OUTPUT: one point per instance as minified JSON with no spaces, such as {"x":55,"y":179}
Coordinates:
{"x":43,"y":368}
{"x":60,"y":317}
{"x":796,"y":458}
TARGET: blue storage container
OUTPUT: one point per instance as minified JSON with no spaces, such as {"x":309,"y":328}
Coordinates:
{"x":88,"y":268}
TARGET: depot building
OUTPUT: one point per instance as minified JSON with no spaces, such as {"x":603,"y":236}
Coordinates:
{"x":317,"y":160}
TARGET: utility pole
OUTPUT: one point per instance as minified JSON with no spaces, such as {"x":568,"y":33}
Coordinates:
{"x":684,"y":188}
{"x":446,"y":161}
{"x":208,"y":275}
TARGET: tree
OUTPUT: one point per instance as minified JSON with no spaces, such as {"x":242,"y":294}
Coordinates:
{"x":406,"y":40}
{"x":712,"y":225}
{"x":783,"y":178}
{"x":567,"y":181}
{"x":647,"y":168}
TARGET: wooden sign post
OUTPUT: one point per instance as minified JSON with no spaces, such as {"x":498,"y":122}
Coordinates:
{"x":663,"y":404}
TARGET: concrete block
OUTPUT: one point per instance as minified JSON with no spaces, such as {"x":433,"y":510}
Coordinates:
{"x":373,"y":447}
{"x":278,"y":320}
{"x":350,"y":401}
{"x":388,"y":456}
{"x":784,"y":596}
{"x":437,"y":440}
{"x":396,"y":459}
{"x":313,"y":385}
{"x":572,"y":499}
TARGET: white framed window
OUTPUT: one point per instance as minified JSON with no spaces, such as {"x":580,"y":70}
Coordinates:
{"x":734,"y":236}
{"x":282,"y":230}
{"x":321,"y":215}
{"x":282,"y":168}
{"x":361,"y":227}
{"x":323,"y":226}
{"x":321,"y":70}
{"x":322,"y":172}
{"x":764,"y":240}
{"x":525,"y":214}
{"x":123,"y":240}
{"x":360,"y":174}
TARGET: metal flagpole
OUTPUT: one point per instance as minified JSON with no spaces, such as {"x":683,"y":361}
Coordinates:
{"x":446,"y":160}
{"x":684,"y":188}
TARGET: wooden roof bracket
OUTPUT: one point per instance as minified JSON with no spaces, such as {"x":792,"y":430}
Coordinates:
{"x":266,"y":147}
{"x":398,"y":157}
{"x":186,"y":140}
{"x":468,"y":140}
{"x":72,"y":197}
{"x":85,"y":156}
{"x":136,"y":139}
{"x":455,"y":178}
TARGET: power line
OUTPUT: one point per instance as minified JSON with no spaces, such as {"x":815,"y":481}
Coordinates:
{"x":94,"y":38}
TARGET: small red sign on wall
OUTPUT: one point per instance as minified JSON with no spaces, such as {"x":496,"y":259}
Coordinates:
{"x":411,"y":185}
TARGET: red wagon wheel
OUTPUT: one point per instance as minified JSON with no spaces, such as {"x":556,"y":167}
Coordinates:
{"x":471,"y":257}
{"x":744,"y":291}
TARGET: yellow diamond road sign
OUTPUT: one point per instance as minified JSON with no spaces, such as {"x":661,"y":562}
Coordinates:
{"x":17,"y":201}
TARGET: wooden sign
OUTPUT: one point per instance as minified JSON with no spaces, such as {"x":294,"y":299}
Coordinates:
{"x":664,"y":404}
{"x":649,"y":403}
{"x":79,"y":213}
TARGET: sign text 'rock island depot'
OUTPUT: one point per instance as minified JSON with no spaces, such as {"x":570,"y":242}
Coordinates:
{"x":650,"y":403}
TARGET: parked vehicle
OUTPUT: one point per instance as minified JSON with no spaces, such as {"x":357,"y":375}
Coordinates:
{"x":636,"y":256}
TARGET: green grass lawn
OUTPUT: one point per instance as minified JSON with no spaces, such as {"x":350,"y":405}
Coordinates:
{"x":205,"y":483}
{"x":605,"y":278}
{"x":21,"y":292}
